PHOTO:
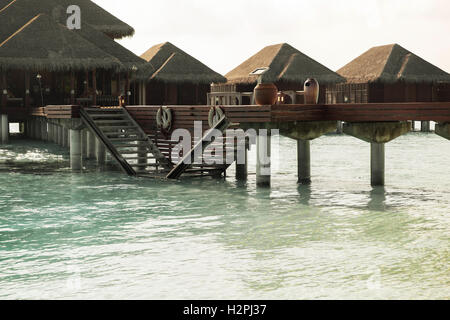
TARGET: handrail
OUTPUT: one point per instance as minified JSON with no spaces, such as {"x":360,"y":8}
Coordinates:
{"x":125,"y":166}
{"x":153,"y":148}
{"x":206,"y":140}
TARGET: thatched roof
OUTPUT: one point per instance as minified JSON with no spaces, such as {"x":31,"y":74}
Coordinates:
{"x":97,"y":17}
{"x":167,"y":63}
{"x":4,"y":3}
{"x":285,"y":64}
{"x":43,"y":44}
{"x":111,"y":47}
{"x":18,"y":12}
{"x":391,"y":63}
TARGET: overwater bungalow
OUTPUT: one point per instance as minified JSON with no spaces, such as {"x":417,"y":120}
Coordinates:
{"x":173,"y":77}
{"x":390,"y":73}
{"x":288,"y":69}
{"x":43,"y":62}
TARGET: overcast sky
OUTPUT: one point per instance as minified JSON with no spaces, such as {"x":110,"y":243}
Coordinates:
{"x":222,"y":34}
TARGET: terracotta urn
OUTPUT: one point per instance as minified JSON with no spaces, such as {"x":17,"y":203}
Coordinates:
{"x":265,"y":94}
{"x":311,"y":91}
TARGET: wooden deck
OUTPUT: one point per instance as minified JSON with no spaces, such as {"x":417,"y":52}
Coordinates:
{"x":184,"y":116}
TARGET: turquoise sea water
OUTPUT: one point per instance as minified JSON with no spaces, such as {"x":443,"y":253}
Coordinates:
{"x":105,"y":235}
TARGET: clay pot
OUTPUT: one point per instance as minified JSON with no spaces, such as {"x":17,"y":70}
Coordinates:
{"x":265,"y":94}
{"x":311,"y":91}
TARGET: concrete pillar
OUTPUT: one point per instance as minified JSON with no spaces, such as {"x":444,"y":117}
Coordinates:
{"x":75,"y":150}
{"x":377,"y":164}
{"x":101,"y":152}
{"x":37,"y":129}
{"x":50,"y":132}
{"x":90,"y":145}
{"x":60,"y":135}
{"x":68,"y":138}
{"x":340,"y":127}
{"x":425,"y":126}
{"x":32,"y":129}
{"x":242,"y":168}
{"x":54,"y":132}
{"x":44,"y":132}
{"x":64,"y":137}
{"x":84,"y":148}
{"x":263,"y":154}
{"x":304,"y":161}
{"x":4,"y":128}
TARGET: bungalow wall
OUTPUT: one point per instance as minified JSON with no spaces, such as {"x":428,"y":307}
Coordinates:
{"x":159,"y":93}
{"x":380,"y":93}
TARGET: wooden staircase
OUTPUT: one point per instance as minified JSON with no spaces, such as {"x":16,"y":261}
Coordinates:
{"x":187,"y":164}
{"x":137,"y":154}
{"x":125,"y":140}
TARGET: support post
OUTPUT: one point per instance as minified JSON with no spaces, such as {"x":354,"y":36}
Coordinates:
{"x":64,"y":137}
{"x":44,"y":133}
{"x":90,"y":145}
{"x":4,"y":128}
{"x":242,"y":168}
{"x":75,"y":150}
{"x":37,"y":129}
{"x":60,"y":135}
{"x":263,"y":154}
{"x":377,"y":164}
{"x":340,"y":127}
{"x":50,"y":132}
{"x":101,"y":152}
{"x":304,"y":161}
{"x":84,"y":146}
{"x":425,"y":126}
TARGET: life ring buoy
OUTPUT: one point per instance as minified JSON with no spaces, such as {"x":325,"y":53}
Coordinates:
{"x":215,"y":114}
{"x":164,"y":118}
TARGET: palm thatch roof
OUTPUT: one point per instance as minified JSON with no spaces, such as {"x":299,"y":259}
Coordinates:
{"x":4,"y":3}
{"x":43,"y":44}
{"x":286,"y":64}
{"x":97,"y":17}
{"x":391,"y":63}
{"x":167,"y":63}
{"x":111,"y":47}
{"x":18,"y":12}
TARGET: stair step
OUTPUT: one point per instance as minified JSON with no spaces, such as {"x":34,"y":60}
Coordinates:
{"x":107,"y":128}
{"x":106,"y":116}
{"x":103,"y":109}
{"x":119,"y":146}
{"x":139,"y":158}
{"x":97,"y":122}
{"x":126,"y":134}
{"x":137,"y":139}
{"x":143,"y":165}
{"x":203,"y":170}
